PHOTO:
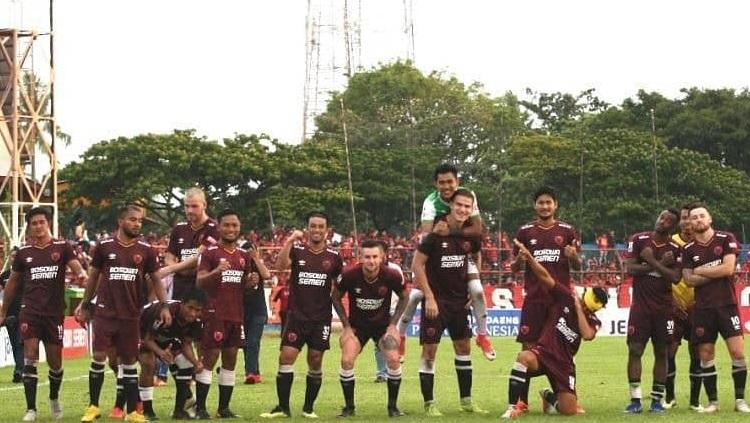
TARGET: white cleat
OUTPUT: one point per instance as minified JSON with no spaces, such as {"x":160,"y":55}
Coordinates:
{"x":697,"y":408}
{"x":30,"y":416}
{"x":740,"y":405}
{"x":669,"y":404}
{"x":711,"y":408}
{"x":56,"y":409}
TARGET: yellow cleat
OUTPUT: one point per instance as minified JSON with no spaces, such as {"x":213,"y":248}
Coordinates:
{"x":90,"y":414}
{"x":135,"y":417}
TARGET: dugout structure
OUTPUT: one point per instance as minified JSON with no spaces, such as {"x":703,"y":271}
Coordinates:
{"x":28,"y":163}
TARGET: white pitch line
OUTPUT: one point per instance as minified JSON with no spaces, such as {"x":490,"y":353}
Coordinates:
{"x":18,"y":388}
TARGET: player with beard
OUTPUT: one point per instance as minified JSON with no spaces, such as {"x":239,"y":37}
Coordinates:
{"x":40,"y":268}
{"x":438,"y":203}
{"x":172,"y":344}
{"x":683,"y":301}
{"x":224,"y":271}
{"x":652,"y":261}
{"x":553,"y":354}
{"x":188,"y":239}
{"x":117,"y":277}
{"x":370,"y":286}
{"x":440,"y":267}
{"x":708,"y":263}
{"x":314,"y":267}
{"x":555,"y":245}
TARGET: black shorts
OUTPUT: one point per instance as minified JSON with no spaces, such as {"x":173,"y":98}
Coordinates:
{"x":457,"y":323}
{"x":655,"y":326}
{"x":364,"y":334}
{"x":48,"y":329}
{"x":297,"y":333}
{"x":560,"y":372}
{"x":708,"y":323}
{"x":533,"y":317}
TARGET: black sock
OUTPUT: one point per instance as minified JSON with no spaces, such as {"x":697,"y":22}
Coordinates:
{"x":426,"y":383}
{"x":201,"y":393}
{"x":120,"y":396}
{"x":96,"y":380}
{"x":55,"y":380}
{"x":657,"y":392}
{"x":517,"y":383}
{"x":225,"y":395}
{"x":130,"y":386}
{"x":394,"y":384}
{"x":148,"y":407}
{"x":346,"y":377}
{"x":284,"y":382}
{"x":696,"y":379}
{"x":314,"y":380}
{"x":182,"y":385}
{"x":671,"y":373}
{"x":708,"y":370}
{"x":463,"y":372}
{"x":739,"y":377}
{"x":30,"y":379}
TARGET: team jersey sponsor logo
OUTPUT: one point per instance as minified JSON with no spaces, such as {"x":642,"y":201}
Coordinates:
{"x":43,"y":272}
{"x":452,"y":261}
{"x":547,"y":255}
{"x":188,"y":253}
{"x":312,"y":278}
{"x":231,"y":276}
{"x":369,"y":304}
{"x":569,"y":334}
{"x":121,"y":273}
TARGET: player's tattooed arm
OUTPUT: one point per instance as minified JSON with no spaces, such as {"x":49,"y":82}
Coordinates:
{"x":420,"y":278}
{"x":691,"y":279}
{"x":539,"y":271}
{"x":724,"y":270}
{"x":634,"y":267}
{"x":9,"y":294}
{"x":284,"y":261}
{"x":588,"y":332}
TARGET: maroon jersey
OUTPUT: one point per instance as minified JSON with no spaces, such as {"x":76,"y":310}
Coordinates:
{"x":561,"y":336}
{"x":173,"y":335}
{"x":370,"y":302}
{"x":184,"y":243}
{"x":447,"y":259}
{"x":122,"y":283}
{"x":717,"y":292}
{"x":547,"y":245}
{"x":651,"y":292}
{"x":226,"y":293}
{"x":310,"y":283}
{"x":43,"y":274}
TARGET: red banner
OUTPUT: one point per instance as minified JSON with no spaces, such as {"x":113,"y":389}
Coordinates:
{"x":75,"y":339}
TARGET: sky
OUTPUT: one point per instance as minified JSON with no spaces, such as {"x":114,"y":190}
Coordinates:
{"x":223,"y":67}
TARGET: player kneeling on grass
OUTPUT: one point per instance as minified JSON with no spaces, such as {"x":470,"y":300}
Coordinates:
{"x":370,"y":285}
{"x":174,"y":345}
{"x":573,"y":319}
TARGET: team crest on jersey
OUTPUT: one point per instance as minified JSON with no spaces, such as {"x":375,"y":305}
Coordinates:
{"x":631,"y":329}
{"x":525,"y":330}
{"x":466,"y":245}
{"x":24,"y":328}
{"x":137,"y":259}
{"x":559,"y":240}
{"x":699,"y":331}
{"x":218,"y":336}
{"x":718,"y":250}
{"x":55,"y":256}
{"x":383,"y":291}
{"x":291,"y":336}
{"x":326,"y":265}
{"x":242,"y":262}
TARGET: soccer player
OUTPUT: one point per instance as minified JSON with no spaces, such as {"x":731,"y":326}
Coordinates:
{"x":314,"y":267}
{"x":708,"y":265}
{"x":224,"y":271}
{"x":440,"y":267}
{"x":188,"y":239}
{"x":438,"y":203}
{"x":555,"y":245}
{"x":173,"y":344}
{"x":40,"y":268}
{"x":652,"y":261}
{"x":369,"y":286}
{"x":552,"y":355}
{"x":117,"y":277}
{"x":683,"y":300}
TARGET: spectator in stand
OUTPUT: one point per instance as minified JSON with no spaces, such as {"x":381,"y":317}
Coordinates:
{"x":282,"y":296}
{"x":602,"y":242}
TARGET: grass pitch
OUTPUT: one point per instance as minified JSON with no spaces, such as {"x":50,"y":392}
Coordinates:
{"x":602,"y":387}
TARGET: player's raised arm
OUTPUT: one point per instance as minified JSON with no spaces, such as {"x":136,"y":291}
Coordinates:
{"x":284,"y":261}
{"x":541,"y":273}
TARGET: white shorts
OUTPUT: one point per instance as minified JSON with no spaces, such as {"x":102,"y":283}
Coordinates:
{"x":471,"y":268}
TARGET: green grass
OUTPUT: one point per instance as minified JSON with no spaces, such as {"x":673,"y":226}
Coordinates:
{"x":602,"y":387}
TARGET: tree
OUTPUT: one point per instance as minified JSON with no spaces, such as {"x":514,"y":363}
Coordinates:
{"x":554,"y":112}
